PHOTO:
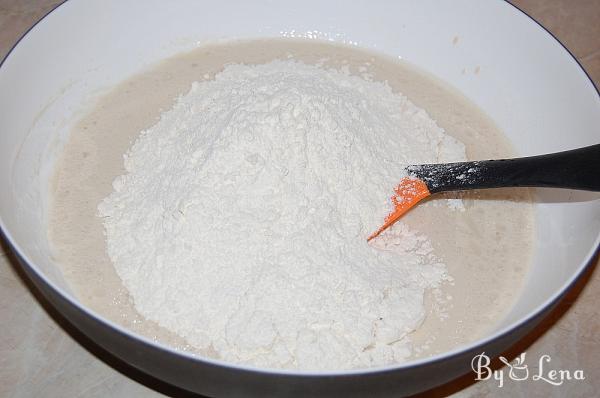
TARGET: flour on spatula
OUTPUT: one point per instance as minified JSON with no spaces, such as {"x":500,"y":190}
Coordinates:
{"x":242,"y":219}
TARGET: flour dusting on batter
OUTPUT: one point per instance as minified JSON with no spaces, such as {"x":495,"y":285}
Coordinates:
{"x":241,"y":221}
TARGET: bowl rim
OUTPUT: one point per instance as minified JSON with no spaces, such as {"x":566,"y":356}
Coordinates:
{"x":592,"y":255}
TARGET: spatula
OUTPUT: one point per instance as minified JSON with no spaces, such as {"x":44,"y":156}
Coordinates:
{"x":574,"y":169}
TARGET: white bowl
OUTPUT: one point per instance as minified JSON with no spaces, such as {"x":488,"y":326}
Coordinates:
{"x":528,"y":83}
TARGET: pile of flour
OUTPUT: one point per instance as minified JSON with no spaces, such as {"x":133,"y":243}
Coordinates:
{"x":242,"y":219}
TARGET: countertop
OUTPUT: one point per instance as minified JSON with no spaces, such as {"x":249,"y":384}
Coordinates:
{"x":41,"y":355}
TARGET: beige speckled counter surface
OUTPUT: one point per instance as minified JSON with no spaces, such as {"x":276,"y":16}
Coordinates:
{"x":42,"y":356}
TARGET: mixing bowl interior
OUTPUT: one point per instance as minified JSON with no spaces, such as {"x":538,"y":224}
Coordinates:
{"x":524,"y":81}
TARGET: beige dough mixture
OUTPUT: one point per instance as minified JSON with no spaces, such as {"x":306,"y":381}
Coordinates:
{"x":486,"y":248}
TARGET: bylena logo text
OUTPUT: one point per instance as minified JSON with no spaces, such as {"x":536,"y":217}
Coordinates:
{"x":519,"y":370}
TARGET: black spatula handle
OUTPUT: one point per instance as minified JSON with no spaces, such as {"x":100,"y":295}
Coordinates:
{"x":574,"y":169}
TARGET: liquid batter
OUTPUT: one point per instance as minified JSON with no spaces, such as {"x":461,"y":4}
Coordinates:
{"x":486,"y":248}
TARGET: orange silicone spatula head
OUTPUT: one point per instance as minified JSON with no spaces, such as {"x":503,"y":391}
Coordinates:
{"x":408,"y":193}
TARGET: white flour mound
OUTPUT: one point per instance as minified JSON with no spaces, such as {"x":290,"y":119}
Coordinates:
{"x":241,"y":221}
